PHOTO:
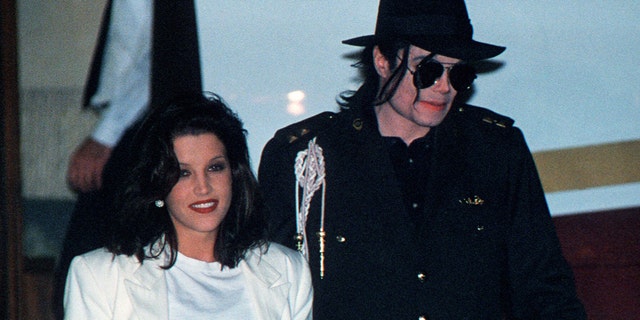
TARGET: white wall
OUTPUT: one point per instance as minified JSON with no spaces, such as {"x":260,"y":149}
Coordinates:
{"x":571,"y":79}
{"x":571,"y":76}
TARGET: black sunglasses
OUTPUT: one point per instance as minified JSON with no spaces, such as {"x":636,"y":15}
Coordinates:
{"x":427,"y":73}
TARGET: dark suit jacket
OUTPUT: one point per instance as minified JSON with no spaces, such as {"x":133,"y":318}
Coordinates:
{"x":483,"y":248}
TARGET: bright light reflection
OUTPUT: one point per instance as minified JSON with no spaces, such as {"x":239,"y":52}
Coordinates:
{"x":295,"y":106}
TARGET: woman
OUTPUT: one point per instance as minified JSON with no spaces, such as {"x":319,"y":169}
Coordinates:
{"x":188,"y":239}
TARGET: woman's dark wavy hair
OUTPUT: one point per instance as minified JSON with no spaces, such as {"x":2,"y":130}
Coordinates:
{"x":155,"y":170}
{"x":370,"y":93}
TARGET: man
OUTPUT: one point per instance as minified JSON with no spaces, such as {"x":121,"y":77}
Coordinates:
{"x":118,"y":87}
{"x":409,"y":204}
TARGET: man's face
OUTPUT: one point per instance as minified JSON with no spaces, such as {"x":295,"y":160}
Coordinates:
{"x":410,"y":113}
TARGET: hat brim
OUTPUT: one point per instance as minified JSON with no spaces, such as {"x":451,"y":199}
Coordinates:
{"x":467,"y":50}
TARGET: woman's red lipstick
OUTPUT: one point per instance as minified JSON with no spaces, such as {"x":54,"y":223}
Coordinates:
{"x":205,"y":206}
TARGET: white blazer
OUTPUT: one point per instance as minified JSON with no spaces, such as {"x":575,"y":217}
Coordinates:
{"x":101,"y":286}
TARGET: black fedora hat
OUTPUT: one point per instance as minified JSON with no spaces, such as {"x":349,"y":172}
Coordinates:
{"x":442,"y":27}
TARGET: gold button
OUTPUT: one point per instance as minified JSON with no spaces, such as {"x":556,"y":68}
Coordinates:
{"x":423,"y":318}
{"x":357,"y":124}
{"x":422,"y":277}
{"x":341,"y":239}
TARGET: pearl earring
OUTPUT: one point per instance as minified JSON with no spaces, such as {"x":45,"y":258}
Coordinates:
{"x":159,"y":203}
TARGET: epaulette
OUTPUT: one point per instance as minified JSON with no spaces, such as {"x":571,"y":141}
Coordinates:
{"x":485,"y":116}
{"x":306,"y":128}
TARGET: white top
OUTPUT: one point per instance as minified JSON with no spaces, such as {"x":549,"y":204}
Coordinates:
{"x":125,"y":76}
{"x":203,"y":290}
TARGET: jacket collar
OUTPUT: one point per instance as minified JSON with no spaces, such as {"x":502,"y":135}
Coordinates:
{"x":447,"y":156}
{"x":265,"y":281}
{"x":147,"y":288}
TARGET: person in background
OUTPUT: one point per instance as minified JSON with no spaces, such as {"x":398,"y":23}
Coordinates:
{"x":188,"y":238}
{"x":118,"y":89}
{"x":409,"y":203}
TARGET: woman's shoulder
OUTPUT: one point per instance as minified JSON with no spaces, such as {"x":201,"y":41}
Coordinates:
{"x":279,"y":249}
{"x":274,"y":262}
{"x":99,"y":256}
{"x":102,"y":261}
{"x":277,"y":255}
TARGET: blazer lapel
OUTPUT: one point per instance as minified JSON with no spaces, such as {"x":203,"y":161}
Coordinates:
{"x":147,"y":290}
{"x":268,"y":288}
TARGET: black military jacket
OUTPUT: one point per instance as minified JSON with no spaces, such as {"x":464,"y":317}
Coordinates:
{"x":483,"y":248}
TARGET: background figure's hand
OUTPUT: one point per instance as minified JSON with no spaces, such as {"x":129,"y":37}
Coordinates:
{"x":85,"y":166}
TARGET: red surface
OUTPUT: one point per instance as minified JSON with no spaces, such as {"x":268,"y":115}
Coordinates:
{"x":603,"y":248}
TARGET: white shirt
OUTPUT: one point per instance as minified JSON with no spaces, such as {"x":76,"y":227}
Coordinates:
{"x":203,"y":290}
{"x":125,"y":76}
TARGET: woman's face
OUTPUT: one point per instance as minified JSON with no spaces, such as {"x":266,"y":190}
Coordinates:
{"x":199,"y":201}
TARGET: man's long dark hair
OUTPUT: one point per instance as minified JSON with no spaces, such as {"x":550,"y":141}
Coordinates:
{"x":372,"y":92}
{"x":138,"y":222}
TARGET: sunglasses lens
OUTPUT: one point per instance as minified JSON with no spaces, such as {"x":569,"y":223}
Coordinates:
{"x":461,"y":76}
{"x":427,"y":73}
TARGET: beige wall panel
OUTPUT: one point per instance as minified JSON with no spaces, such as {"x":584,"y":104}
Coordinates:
{"x":588,"y":167}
